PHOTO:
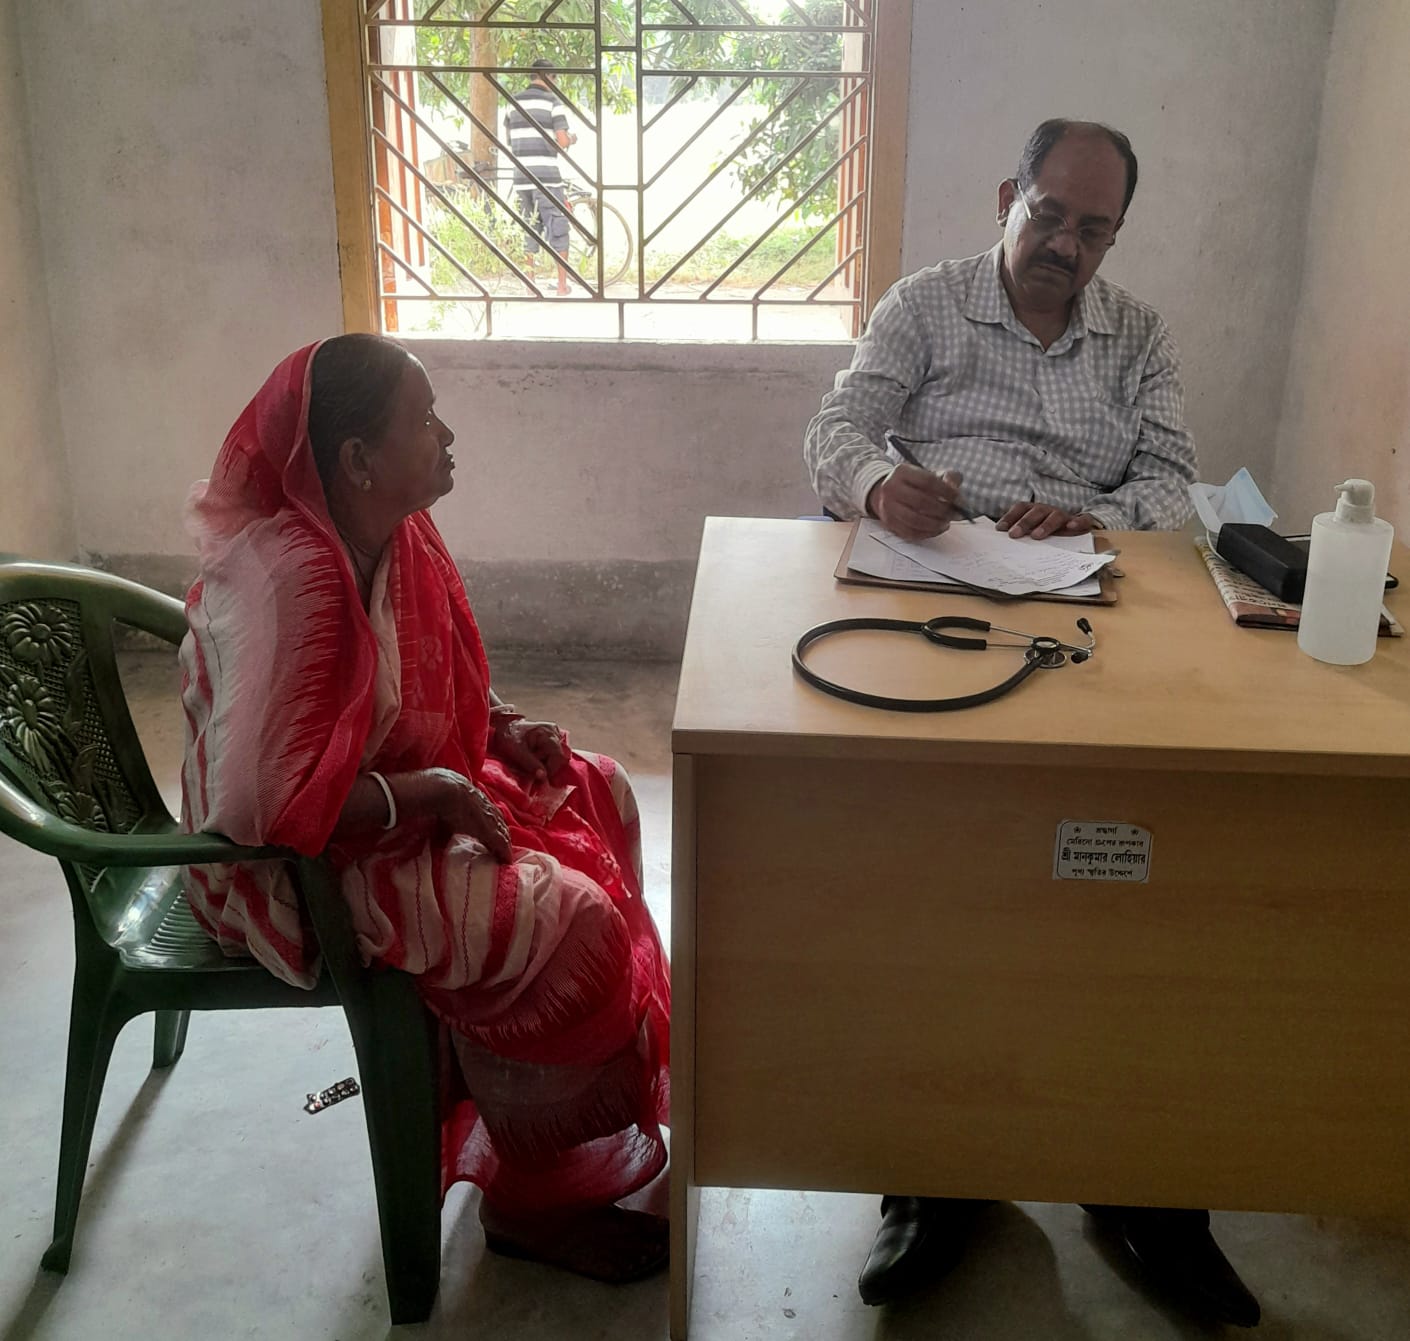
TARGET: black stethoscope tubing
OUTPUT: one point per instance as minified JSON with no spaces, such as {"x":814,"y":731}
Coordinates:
{"x":1040,"y":654}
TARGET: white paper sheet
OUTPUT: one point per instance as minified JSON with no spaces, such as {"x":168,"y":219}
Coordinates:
{"x":983,"y":556}
{"x":870,"y":556}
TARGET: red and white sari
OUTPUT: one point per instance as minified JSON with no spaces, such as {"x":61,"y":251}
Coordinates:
{"x":548,"y":971}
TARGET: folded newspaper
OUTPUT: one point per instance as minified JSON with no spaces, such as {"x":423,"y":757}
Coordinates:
{"x":1254,"y":606}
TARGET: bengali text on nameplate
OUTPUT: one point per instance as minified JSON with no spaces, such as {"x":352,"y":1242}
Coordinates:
{"x":1102,"y":850}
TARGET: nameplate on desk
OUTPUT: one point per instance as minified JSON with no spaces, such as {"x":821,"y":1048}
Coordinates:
{"x":1102,"y":850}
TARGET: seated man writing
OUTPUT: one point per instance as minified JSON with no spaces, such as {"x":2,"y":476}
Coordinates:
{"x":1026,"y":388}
{"x":1053,"y":394}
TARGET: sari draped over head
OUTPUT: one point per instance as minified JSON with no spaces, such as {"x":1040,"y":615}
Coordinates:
{"x":546,"y":970}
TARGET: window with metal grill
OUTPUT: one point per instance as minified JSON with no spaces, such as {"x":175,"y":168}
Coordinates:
{"x":659,"y":169}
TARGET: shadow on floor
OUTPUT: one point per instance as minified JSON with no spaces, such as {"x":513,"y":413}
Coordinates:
{"x":1007,"y":1286}
{"x":102,"y":1169}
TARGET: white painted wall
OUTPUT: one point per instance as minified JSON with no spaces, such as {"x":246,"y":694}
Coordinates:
{"x":185,"y":203}
{"x":191,"y":245}
{"x":585,"y":471}
{"x":596,"y":452}
{"x":36,"y":512}
{"x":1347,"y":408}
{"x":1220,"y":99}
{"x":185,"y":196}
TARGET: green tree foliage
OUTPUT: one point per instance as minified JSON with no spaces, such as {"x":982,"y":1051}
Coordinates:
{"x":798,"y":106}
{"x":769,"y":162}
{"x":517,"y":48}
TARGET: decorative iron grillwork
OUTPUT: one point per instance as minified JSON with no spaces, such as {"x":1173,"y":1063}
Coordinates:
{"x":720,"y":161}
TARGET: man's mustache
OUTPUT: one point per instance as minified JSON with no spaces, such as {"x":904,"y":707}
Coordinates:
{"x":1067,"y":267}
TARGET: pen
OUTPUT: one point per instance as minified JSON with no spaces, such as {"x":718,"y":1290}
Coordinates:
{"x":897,"y":445}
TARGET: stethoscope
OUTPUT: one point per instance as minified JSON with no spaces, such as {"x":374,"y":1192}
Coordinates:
{"x":1039,"y":653}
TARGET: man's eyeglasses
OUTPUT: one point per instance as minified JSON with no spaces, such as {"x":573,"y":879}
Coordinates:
{"x":1094,"y":237}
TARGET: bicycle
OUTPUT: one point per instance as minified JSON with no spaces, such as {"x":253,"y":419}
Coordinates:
{"x":602,"y":223}
{"x":606,"y":225}
{"x":450,"y":173}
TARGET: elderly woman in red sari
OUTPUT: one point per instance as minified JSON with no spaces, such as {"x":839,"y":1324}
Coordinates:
{"x":338,"y":700}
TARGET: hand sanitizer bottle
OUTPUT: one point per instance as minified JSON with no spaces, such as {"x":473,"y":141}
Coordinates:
{"x":1346,"y":578}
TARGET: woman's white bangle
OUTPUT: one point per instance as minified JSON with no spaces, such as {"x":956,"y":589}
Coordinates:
{"x":391,"y":800}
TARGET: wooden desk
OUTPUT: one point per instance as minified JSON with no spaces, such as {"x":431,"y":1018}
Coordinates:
{"x":879,"y":984}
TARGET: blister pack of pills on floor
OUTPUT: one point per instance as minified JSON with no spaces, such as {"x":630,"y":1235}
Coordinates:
{"x":334,"y":1094}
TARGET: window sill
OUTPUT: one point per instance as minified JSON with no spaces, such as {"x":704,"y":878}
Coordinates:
{"x":544,"y":355}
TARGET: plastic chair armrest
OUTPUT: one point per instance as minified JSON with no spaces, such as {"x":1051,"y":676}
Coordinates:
{"x":34,"y":826}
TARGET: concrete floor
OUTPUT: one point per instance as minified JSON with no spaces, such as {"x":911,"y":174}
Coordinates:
{"x":215,"y":1208}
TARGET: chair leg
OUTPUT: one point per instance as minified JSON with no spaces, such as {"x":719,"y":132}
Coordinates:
{"x":170,"y":1039}
{"x":403,"y":1130}
{"x":396,"y":1043}
{"x":93,"y":1029}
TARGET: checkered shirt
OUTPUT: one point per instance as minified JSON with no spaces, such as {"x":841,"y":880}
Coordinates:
{"x":1094,"y":424}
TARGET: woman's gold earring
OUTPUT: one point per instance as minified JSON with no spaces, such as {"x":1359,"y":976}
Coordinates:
{"x":366,"y":485}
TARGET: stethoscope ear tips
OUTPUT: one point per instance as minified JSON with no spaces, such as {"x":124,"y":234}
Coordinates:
{"x":1085,"y":627}
{"x":1080,"y":656}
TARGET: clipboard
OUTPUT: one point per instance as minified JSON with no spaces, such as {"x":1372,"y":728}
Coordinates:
{"x":1099,"y":542}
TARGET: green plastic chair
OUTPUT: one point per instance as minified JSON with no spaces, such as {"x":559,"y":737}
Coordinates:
{"x":74,"y":784}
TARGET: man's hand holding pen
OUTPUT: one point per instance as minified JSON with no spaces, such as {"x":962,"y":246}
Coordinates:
{"x":916,"y":504}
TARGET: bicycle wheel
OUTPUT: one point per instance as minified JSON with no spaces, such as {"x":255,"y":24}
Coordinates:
{"x":616,"y":237}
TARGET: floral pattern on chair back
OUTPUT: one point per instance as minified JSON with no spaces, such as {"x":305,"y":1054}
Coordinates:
{"x":54,"y":742}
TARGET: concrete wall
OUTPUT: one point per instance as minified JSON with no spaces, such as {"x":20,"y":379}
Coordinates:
{"x":585,"y":471}
{"x":1347,"y":408}
{"x":186,"y":207}
{"x":1221,"y":102}
{"x":185,"y":194}
{"x":36,"y":512}
{"x":191,"y":245}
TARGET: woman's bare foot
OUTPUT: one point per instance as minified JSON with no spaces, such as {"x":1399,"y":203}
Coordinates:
{"x":605,"y":1243}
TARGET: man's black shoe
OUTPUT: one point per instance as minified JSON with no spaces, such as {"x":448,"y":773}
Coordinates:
{"x":1177,"y":1252}
{"x":920,"y":1239}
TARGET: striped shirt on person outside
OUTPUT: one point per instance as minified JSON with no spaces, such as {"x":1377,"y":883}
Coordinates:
{"x":532,"y":136}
